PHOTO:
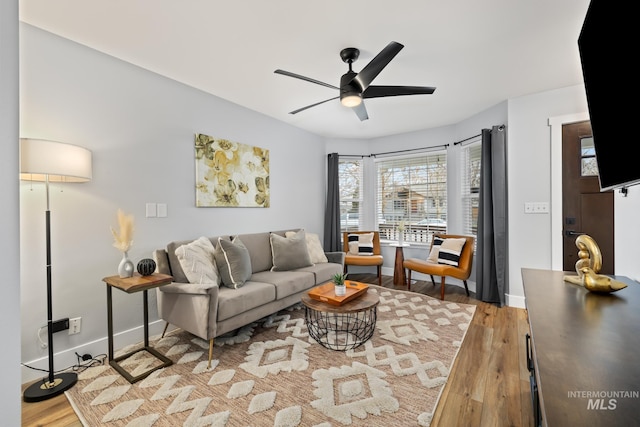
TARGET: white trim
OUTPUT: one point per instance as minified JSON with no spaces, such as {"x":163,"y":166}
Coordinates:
{"x":516,"y":301}
{"x":555,"y":124}
{"x":67,"y":357}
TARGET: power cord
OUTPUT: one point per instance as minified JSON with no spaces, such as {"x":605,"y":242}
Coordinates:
{"x":85,"y":361}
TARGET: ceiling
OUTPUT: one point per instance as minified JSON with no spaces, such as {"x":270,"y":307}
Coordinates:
{"x":476,"y":53}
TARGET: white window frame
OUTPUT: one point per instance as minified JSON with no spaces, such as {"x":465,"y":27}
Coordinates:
{"x":470,"y":188}
{"x":351,"y":192}
{"x":420,"y":203}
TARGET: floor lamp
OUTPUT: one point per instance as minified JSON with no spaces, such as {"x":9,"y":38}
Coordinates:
{"x":49,"y":161}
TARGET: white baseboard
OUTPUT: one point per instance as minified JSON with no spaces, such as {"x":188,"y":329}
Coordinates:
{"x":68,"y":358}
{"x":516,"y":301}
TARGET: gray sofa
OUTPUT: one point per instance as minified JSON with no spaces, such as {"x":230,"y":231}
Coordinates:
{"x":209,"y":310}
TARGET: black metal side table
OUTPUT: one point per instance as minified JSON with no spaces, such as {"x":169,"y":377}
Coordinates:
{"x":342,"y":327}
{"x":131,"y":285}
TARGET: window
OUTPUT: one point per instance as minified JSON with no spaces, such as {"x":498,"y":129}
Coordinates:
{"x":471,"y":155}
{"x":589,"y":167}
{"x":350,"y":177}
{"x":412,"y":191}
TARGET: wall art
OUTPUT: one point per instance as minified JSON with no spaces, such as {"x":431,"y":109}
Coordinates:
{"x":230,"y":174}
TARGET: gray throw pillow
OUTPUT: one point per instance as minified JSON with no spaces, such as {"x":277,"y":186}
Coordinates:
{"x":289,"y":253}
{"x":233,"y":261}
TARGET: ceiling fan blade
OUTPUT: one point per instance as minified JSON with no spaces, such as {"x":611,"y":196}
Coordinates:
{"x":308,"y":79}
{"x":361,"y":112}
{"x":377,"y":64}
{"x":380,"y":91}
{"x":313,"y":105}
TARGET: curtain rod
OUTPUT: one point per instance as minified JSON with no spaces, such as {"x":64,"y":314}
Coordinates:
{"x":433,"y":148}
{"x":467,"y":139}
{"x":500,"y":127}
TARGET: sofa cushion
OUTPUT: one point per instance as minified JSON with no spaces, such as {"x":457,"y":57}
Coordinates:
{"x":286,"y":282}
{"x":233,"y":261}
{"x":289,"y":253}
{"x":316,"y":251}
{"x":361,"y":243}
{"x":232,"y":302}
{"x":324,"y":271}
{"x":259,"y":248}
{"x":197,"y":262}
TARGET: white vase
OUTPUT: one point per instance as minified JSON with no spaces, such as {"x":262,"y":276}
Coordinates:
{"x":400,"y":238}
{"x":341,"y":291}
{"x":125,"y":268}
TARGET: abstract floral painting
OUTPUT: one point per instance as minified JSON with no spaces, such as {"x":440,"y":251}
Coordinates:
{"x":230,"y":174}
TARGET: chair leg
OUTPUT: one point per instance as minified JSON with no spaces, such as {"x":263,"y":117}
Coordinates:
{"x":442,"y":288}
{"x":210,"y":353}
{"x":432,"y":281}
{"x":166,"y":325}
{"x":379,"y":275}
{"x":408,"y":279}
{"x":466,"y":288}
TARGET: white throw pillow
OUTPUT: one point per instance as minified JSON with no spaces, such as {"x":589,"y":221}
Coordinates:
{"x":197,"y":262}
{"x":316,"y":252}
{"x":435,"y":249}
{"x":364,"y":243}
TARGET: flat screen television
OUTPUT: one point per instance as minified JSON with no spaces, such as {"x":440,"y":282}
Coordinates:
{"x":606,"y":48}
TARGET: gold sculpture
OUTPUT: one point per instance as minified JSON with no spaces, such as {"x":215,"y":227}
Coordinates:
{"x":588,"y":266}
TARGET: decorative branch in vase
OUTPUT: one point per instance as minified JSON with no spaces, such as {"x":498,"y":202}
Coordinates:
{"x":401,"y":232}
{"x":123,"y":240}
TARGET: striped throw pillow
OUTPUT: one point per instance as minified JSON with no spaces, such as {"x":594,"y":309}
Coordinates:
{"x":360,"y":244}
{"x":450,"y":251}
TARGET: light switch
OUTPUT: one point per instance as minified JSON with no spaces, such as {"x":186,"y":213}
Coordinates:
{"x":162,"y":210}
{"x":151,"y":210}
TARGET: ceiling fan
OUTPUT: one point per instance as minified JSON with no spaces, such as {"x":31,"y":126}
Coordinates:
{"x":354,"y":87}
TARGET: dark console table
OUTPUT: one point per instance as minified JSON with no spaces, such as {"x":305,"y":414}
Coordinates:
{"x":584,"y":352}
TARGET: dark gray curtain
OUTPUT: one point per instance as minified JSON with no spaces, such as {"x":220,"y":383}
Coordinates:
{"x":491,"y":253}
{"x":332,"y":213}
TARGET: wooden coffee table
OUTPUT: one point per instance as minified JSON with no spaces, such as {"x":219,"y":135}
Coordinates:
{"x":341,"y":327}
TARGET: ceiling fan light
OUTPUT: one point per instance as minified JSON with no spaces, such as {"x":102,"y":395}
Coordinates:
{"x":351,"y":100}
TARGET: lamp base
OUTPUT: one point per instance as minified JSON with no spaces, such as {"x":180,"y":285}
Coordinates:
{"x":43,"y":390}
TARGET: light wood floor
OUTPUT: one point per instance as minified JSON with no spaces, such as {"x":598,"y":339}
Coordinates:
{"x":488,"y":385}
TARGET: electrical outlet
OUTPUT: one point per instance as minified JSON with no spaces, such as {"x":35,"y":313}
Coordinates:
{"x":59,"y":325}
{"x":74,"y":325}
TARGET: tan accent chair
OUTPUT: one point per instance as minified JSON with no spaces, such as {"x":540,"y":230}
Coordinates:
{"x":363,"y":260}
{"x":461,"y":272}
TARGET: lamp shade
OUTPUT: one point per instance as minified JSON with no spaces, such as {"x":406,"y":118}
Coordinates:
{"x":61,"y":162}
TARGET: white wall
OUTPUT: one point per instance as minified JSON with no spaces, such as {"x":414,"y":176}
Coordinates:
{"x":140,"y":128}
{"x":10,"y":392}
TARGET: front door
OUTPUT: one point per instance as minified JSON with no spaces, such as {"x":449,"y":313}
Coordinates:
{"x":585,"y":209}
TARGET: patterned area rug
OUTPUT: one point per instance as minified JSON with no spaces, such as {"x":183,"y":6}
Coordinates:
{"x":271,"y":373}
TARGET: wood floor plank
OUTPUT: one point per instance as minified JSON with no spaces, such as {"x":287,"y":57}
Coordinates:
{"x":487,"y":386}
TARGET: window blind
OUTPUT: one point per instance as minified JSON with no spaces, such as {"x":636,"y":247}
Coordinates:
{"x":412,"y":192}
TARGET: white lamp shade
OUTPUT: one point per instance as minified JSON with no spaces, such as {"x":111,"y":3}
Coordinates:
{"x":61,"y":162}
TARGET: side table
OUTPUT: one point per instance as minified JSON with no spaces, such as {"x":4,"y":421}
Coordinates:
{"x":399,"y":277}
{"x":131,"y":285}
{"x":341,"y":327}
